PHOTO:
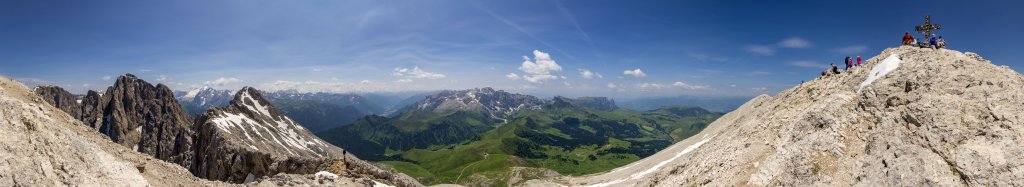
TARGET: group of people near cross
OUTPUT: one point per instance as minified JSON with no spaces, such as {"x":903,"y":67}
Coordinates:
{"x":933,"y":42}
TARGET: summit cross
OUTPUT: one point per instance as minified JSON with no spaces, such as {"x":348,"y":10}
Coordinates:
{"x":927,"y":27}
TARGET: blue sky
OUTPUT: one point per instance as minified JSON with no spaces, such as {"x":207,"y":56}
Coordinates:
{"x":573,"y":48}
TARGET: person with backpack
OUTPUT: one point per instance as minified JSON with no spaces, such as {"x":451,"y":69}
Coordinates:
{"x":849,"y":62}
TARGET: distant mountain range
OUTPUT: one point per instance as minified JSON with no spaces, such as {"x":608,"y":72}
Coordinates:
{"x":495,"y":131}
{"x":318,"y":111}
{"x":711,"y":103}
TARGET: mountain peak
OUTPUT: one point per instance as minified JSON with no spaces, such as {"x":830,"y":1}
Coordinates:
{"x":497,"y":104}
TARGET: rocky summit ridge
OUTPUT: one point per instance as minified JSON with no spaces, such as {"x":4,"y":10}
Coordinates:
{"x":249,"y":141}
{"x":923,"y":117}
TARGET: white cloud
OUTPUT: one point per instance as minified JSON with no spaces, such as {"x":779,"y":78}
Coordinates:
{"x":850,"y":50}
{"x":365,"y":82}
{"x":540,"y":69}
{"x":689,"y":86}
{"x":317,"y":69}
{"x":635,"y":73}
{"x":106,"y":78}
{"x":403,"y":81}
{"x":587,"y":74}
{"x":769,"y":50}
{"x":512,"y":76}
{"x":612,"y":85}
{"x":760,"y":89}
{"x":807,"y":64}
{"x":761,"y":50}
{"x":539,"y":78}
{"x":795,"y":42}
{"x":162,"y":78}
{"x":222,"y":81}
{"x":651,"y":86}
{"x":416,"y":72}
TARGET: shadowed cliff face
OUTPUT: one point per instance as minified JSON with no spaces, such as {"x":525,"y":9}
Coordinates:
{"x":60,"y":98}
{"x":46,"y":146}
{"x":250,"y":138}
{"x":133,"y":113}
{"x":938,"y":118}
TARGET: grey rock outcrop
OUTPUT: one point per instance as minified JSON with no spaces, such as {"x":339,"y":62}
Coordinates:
{"x":60,"y":98}
{"x":44,"y":146}
{"x":496,"y":104}
{"x":936,"y":118}
{"x":143,"y":117}
{"x":249,"y":139}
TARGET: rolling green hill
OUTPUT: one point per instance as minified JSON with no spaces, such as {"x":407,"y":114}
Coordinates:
{"x":566,"y":139}
{"x":376,"y":137}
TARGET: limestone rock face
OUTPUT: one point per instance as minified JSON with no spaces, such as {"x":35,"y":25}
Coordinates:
{"x":92,"y":109}
{"x":143,"y":117}
{"x":60,"y":98}
{"x":249,"y":139}
{"x":44,"y":146}
{"x":935,"y":118}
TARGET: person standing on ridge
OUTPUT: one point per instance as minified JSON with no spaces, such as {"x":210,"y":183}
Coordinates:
{"x":848,"y":62}
{"x":858,"y":60}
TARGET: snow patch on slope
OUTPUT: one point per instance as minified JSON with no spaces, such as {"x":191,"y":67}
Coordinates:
{"x":880,"y":70}
{"x":641,"y":174}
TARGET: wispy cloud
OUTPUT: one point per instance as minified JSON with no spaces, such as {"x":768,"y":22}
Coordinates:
{"x":572,"y":19}
{"x":519,"y":28}
{"x":769,"y":50}
{"x":850,"y":50}
{"x":807,"y":64}
{"x":106,"y":78}
{"x":687,"y":86}
{"x":222,"y":81}
{"x":706,"y":57}
{"x":416,"y":72}
{"x":761,"y":50}
{"x":795,"y":42}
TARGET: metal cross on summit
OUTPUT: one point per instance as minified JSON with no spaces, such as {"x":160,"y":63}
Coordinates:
{"x":927,"y":27}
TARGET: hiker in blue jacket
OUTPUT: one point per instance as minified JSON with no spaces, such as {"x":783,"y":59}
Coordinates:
{"x":934,"y":42}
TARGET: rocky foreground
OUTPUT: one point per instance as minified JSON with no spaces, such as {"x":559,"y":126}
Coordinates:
{"x":924,"y":117}
{"x":137,"y":135}
{"x":44,"y":146}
